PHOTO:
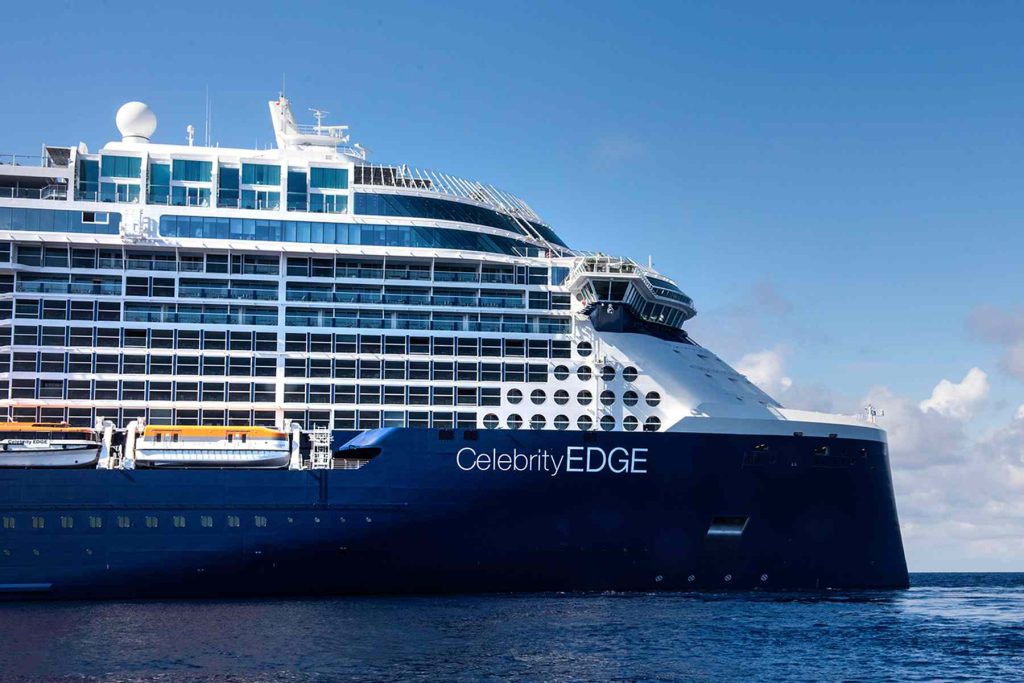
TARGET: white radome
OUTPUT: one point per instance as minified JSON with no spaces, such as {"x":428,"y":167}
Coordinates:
{"x":136,"y":121}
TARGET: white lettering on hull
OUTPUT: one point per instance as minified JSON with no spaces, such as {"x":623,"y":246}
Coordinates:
{"x":576,"y":460}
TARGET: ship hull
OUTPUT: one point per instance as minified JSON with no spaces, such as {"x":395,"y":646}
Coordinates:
{"x":468,"y":512}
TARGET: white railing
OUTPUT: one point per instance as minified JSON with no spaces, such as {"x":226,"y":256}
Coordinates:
{"x":388,"y":175}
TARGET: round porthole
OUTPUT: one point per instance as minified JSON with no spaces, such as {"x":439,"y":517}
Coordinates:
{"x":561,"y":422}
{"x":584,"y":373}
{"x":514,"y":396}
{"x":630,"y":423}
{"x":652,"y":424}
{"x":537,"y":422}
{"x":585,"y":423}
{"x":607,"y":397}
{"x":561,"y":372}
{"x":653,"y":398}
{"x":607,"y":373}
{"x":584,"y":349}
{"x":491,"y":421}
{"x":584,"y":398}
{"x":607,"y":423}
{"x":629,"y":373}
{"x":630,"y":398}
{"x":537,"y":396}
{"x":514,"y":421}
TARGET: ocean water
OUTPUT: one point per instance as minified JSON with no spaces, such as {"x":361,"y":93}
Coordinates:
{"x":946,"y":627}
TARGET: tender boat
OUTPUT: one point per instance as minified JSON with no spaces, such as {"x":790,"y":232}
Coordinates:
{"x":46,"y":444}
{"x":210,"y":446}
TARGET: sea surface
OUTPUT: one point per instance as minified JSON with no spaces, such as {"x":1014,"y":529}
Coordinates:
{"x":946,"y":627}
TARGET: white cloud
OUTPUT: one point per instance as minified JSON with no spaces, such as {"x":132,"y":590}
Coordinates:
{"x":1005,"y":328}
{"x":958,"y":400}
{"x":766,"y":369}
{"x":1020,"y":413}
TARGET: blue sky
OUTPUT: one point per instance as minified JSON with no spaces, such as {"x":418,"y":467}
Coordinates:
{"x":839,"y":187}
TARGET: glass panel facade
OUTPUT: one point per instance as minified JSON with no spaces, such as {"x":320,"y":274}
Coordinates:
{"x":429,"y":207}
{"x":329,"y":178}
{"x":121,"y":167}
{"x":340,"y":233}
{"x":51,"y":220}
{"x":227,"y":181}
{"x":296,"y":190}
{"x":89,"y":180}
{"x":189,"y":169}
{"x":159,"y":183}
{"x":328,"y":203}
{"x":261,"y":174}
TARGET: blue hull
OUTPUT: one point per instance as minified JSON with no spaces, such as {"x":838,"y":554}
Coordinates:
{"x":468,"y":512}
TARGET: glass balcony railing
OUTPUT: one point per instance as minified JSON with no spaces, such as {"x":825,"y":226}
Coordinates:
{"x":69,"y":288}
{"x":313,"y":296}
{"x":201,"y":318}
{"x":186,"y":292}
{"x":307,"y":320}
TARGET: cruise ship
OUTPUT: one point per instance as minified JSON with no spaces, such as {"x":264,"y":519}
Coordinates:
{"x":294,"y":371}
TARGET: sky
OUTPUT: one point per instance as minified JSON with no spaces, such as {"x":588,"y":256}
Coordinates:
{"x":838,"y":187}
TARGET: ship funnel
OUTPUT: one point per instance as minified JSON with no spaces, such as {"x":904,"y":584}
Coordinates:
{"x":136,"y":121}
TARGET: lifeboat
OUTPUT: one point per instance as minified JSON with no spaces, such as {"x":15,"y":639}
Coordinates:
{"x":46,"y":444}
{"x":207,"y":446}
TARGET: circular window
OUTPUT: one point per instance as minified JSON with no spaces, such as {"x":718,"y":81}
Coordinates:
{"x":491,"y":421}
{"x":629,"y":373}
{"x":514,"y":421}
{"x":585,"y":423}
{"x":607,"y":373}
{"x":561,"y":397}
{"x":630,"y":398}
{"x":630,"y":423}
{"x":561,"y":372}
{"x":584,"y":373}
{"x":653,"y":398}
{"x":607,"y":397}
{"x":653,"y":424}
{"x":584,"y":398}
{"x":561,"y":422}
{"x":514,"y":396}
{"x":538,"y":396}
{"x":607,"y":423}
{"x":584,"y":349}
{"x":537,"y":422}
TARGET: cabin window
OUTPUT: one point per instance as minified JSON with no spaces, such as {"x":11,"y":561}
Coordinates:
{"x":38,"y":522}
{"x":206,"y":521}
{"x":178,"y":521}
{"x":245,"y":438}
{"x":9,"y":523}
{"x":95,"y":522}
{"x":67,"y":522}
{"x":157,"y":438}
{"x":124,"y":522}
{"x":260,"y":521}
{"x":231,"y":438}
{"x":152,"y":522}
{"x":233,"y":521}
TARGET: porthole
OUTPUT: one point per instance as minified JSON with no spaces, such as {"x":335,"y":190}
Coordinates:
{"x":630,"y":423}
{"x":561,"y":397}
{"x":584,"y":398}
{"x":537,"y":396}
{"x":538,"y":422}
{"x":491,"y":421}
{"x":514,"y":396}
{"x":514,"y":421}
{"x":584,"y":373}
{"x":607,"y":423}
{"x":561,"y":372}
{"x":607,"y":373}
{"x":607,"y":397}
{"x":653,"y":398}
{"x":561,"y":422}
{"x":629,"y":373}
{"x":630,"y":398}
{"x":652,"y":424}
{"x":585,"y":423}
{"x":584,"y":349}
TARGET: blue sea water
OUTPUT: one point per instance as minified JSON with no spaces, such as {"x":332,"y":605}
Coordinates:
{"x":946,"y":627}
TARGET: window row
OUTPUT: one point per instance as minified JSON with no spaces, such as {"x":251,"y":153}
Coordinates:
{"x":118,"y":258}
{"x":116,"y":337}
{"x":607,"y":373}
{"x":437,"y":371}
{"x":584,"y":423}
{"x":584,"y":397}
{"x":130,"y":364}
{"x":435,"y":346}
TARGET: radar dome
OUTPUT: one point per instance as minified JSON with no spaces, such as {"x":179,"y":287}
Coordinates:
{"x":136,"y":121}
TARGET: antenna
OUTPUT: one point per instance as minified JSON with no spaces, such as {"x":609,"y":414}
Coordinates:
{"x":873,"y":413}
{"x":208,"y":128}
{"x":190,"y":131}
{"x":319,"y":114}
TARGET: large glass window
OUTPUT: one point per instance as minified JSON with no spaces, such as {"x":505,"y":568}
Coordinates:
{"x":192,"y":170}
{"x":159,"y":183}
{"x":340,"y":233}
{"x":296,"y":190}
{"x":331,"y":178}
{"x":328,"y":203}
{"x":52,"y":220}
{"x":120,"y":167}
{"x":89,"y":180}
{"x":261,"y":174}
{"x":227,"y":182}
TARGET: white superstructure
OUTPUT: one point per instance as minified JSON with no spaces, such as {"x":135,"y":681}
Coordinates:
{"x":206,"y":286}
